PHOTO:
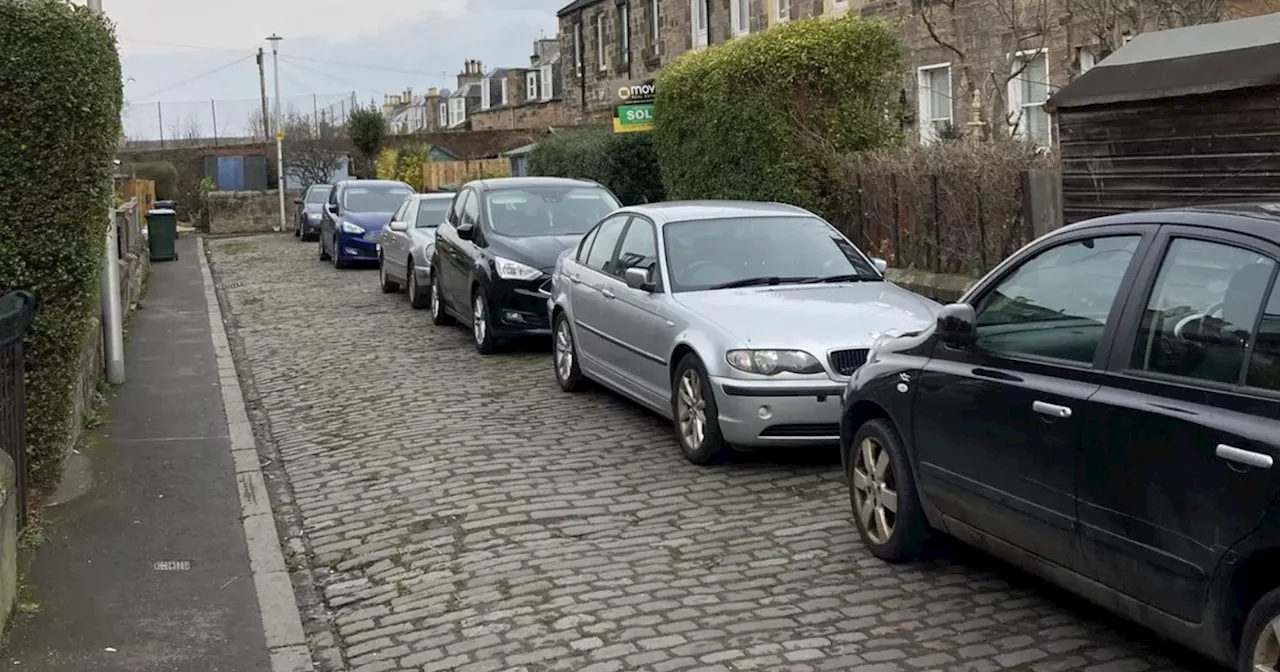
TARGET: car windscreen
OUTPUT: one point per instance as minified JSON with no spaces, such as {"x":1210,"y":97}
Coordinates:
{"x":743,"y":251}
{"x":318,"y":194}
{"x":374,"y":199}
{"x":432,"y":211}
{"x":547,"y":211}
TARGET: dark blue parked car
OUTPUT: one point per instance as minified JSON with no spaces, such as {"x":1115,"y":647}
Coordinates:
{"x":310,"y":207}
{"x":352,"y":220}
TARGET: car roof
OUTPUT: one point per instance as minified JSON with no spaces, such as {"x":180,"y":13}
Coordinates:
{"x":372,"y":183}
{"x":495,"y":183}
{"x":683,"y":211}
{"x":1257,"y":218}
{"x":433,"y":196}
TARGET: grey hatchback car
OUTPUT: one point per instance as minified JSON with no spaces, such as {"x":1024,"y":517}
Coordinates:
{"x":407,"y":245}
{"x":738,"y":321}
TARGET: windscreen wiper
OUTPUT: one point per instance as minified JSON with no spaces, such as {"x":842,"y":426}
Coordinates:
{"x":847,"y":277}
{"x":753,"y":282}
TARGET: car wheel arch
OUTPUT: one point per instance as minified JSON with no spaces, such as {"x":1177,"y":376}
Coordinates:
{"x":1252,"y":579}
{"x":677,"y":355}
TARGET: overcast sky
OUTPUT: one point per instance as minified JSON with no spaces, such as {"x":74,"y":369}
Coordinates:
{"x":376,"y":47}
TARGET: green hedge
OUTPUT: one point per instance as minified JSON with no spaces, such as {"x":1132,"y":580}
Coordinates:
{"x":624,"y":162}
{"x":771,"y":116}
{"x":59,"y":128}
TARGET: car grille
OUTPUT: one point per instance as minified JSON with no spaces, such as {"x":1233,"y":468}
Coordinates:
{"x":845,"y":362}
{"x":803,"y":431}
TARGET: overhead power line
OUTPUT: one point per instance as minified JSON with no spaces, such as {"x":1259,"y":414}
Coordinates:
{"x":289,"y":61}
{"x":196,"y":77}
{"x":379,"y":68}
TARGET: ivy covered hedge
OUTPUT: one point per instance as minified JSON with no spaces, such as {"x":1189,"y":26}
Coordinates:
{"x":772,"y":116}
{"x":626,"y":163}
{"x":59,"y":128}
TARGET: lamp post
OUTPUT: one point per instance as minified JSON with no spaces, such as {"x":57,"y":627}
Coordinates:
{"x":109,"y":297}
{"x":280,"y":172}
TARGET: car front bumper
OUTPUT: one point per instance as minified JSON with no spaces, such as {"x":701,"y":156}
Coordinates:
{"x":362,"y":247}
{"x":771,"y":412}
{"x":310,"y":226}
{"x":519,"y":307}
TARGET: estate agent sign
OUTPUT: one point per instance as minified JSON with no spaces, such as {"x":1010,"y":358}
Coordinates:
{"x":633,"y":107}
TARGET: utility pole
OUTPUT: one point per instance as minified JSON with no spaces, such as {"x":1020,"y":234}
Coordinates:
{"x":109,"y":295}
{"x":262,"y":84}
{"x":280,"y":171}
{"x":315,"y":113}
{"x":213,"y":109}
{"x":160,"y":120}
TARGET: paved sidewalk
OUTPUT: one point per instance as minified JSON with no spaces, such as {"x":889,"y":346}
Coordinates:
{"x":149,"y":569}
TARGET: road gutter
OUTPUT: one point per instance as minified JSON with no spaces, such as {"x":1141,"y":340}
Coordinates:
{"x":281,"y":620}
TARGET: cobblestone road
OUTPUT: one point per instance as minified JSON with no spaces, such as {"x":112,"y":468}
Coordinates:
{"x":460,"y":512}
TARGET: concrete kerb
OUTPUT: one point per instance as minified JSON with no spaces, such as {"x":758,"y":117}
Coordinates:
{"x":281,"y":620}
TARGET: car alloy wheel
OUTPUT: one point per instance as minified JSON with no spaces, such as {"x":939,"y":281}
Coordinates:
{"x":1260,"y":637}
{"x":875,"y":493}
{"x":387,"y":284}
{"x":564,"y":350}
{"x":439,"y":314}
{"x":479,"y":320}
{"x":1266,"y":655}
{"x":691,"y":410}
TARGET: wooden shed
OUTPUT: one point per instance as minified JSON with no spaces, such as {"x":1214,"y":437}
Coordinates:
{"x":1175,"y":117}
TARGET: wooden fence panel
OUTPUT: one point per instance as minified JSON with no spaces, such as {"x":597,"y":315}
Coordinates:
{"x":437,"y":174}
{"x":143,"y":190}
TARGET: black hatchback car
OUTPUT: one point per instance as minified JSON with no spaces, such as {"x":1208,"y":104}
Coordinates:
{"x":497,"y":248}
{"x":1102,"y":409}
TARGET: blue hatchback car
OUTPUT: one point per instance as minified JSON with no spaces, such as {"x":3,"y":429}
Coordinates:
{"x":352,"y":219}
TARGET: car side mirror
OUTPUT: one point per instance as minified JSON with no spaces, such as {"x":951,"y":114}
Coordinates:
{"x":399,"y":226}
{"x":880,"y":264}
{"x":332,"y":208}
{"x":957,"y":325}
{"x":466,"y":231}
{"x":297,"y":201}
{"x":637,"y":278}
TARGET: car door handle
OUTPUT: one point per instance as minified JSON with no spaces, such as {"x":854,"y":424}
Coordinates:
{"x":607,"y":293}
{"x":1245,"y":457}
{"x":573,"y":277}
{"x":1051,"y":410}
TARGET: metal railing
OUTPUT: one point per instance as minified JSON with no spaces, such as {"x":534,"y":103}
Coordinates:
{"x":17,"y":308}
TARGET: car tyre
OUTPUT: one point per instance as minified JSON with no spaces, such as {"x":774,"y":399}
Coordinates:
{"x":482,"y":324}
{"x":418,"y":299}
{"x":324,"y":254}
{"x":882,"y":492}
{"x":297,"y":230}
{"x":1260,"y":638}
{"x":565,"y":357}
{"x":439,"y":314}
{"x":388,"y":285}
{"x":336,"y":257}
{"x":694,"y":414}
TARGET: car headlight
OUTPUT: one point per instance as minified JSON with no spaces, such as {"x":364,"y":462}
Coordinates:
{"x":352,"y":228}
{"x":514,"y":270}
{"x":313,"y":216}
{"x":770,"y":362}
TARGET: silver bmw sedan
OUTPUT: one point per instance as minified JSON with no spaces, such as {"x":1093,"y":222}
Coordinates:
{"x":738,"y":321}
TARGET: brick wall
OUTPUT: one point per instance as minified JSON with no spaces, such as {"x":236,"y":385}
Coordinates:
{"x":532,"y":116}
{"x":249,"y":211}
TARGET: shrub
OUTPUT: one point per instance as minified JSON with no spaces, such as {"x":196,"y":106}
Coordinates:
{"x":61,"y":111}
{"x":954,"y":207}
{"x":769,"y":116}
{"x":624,"y":162}
{"x":384,"y":168}
{"x":367,"y":130}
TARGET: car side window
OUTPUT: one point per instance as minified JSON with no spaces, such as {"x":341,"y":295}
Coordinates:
{"x":400,"y":212}
{"x":585,"y":245}
{"x":333,"y":197}
{"x":1201,"y":315}
{"x":600,"y":257}
{"x":639,"y":248}
{"x":471,"y":209}
{"x":455,"y":209}
{"x":1057,"y":304}
{"x":1264,"y":361}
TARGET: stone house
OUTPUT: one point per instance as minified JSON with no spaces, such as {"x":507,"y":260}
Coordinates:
{"x":406,"y":113}
{"x":524,"y":98}
{"x":465,"y":100}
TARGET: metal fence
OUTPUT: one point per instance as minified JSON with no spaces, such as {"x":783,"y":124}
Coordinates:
{"x":16,"y":310}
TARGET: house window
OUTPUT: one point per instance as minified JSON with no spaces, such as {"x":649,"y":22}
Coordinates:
{"x":698,"y":10}
{"x":548,"y":82}
{"x":485,"y":89}
{"x":655,"y":22}
{"x":531,"y":86}
{"x":1085,"y":59}
{"x":783,"y":9}
{"x":457,"y":111}
{"x":444,"y":115}
{"x":624,"y":32}
{"x":577,"y":47}
{"x":933,"y":91}
{"x":600,"y":40}
{"x":740,"y":16}
{"x":1028,"y":91}
{"x":503,"y":85}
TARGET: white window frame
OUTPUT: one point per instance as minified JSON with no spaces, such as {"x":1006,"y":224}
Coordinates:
{"x":600,"y":50}
{"x":444,"y":114}
{"x":503,"y":86}
{"x":485,"y":90}
{"x":457,"y":111}
{"x":577,"y":47}
{"x":1086,"y":59}
{"x":1016,"y":105}
{"x":531,"y":85}
{"x":624,"y":31}
{"x":655,"y":22}
{"x":699,"y":34}
{"x":925,"y":114}
{"x":740,"y":16}
{"x":782,"y":10}
{"x":547,"y":82}
{"x":839,"y":4}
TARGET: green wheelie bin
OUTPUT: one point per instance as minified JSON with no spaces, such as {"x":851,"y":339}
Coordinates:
{"x":162,"y":234}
